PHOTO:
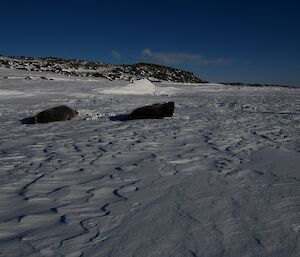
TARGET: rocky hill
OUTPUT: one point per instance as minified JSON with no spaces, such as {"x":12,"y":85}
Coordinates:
{"x":82,"y":68}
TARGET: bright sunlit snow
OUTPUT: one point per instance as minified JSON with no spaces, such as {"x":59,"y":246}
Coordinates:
{"x":141,"y":87}
{"x":219,"y":178}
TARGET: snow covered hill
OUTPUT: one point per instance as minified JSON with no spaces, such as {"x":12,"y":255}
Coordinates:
{"x":94,"y":69}
{"x":219,"y":178}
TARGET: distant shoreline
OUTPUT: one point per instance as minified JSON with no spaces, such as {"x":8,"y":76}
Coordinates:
{"x":117,"y":71}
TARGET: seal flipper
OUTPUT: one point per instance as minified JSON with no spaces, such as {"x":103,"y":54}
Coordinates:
{"x":121,"y":117}
{"x":29,"y":120}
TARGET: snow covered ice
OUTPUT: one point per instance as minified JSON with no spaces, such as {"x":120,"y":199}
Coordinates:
{"x":219,"y":178}
{"x":141,"y":87}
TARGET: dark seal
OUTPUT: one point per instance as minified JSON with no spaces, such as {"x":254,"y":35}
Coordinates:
{"x":155,"y":111}
{"x":59,"y":113}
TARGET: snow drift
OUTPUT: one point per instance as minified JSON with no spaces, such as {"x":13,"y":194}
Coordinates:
{"x":141,"y":87}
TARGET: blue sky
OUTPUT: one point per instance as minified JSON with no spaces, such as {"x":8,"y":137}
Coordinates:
{"x":248,"y":41}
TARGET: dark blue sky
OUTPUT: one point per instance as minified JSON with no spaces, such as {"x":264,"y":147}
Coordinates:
{"x":249,"y":41}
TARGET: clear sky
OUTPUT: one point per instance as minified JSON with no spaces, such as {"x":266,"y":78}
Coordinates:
{"x":247,"y":41}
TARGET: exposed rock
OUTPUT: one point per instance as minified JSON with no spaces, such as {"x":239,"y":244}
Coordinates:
{"x":80,"y":68}
{"x":161,"y":73}
{"x":240,"y":84}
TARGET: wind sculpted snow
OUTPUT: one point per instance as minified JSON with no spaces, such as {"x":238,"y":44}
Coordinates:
{"x":219,"y":178}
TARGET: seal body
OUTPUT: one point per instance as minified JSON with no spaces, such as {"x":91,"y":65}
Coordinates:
{"x":155,"y":111}
{"x":59,"y":113}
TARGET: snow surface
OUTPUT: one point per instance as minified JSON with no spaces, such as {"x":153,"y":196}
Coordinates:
{"x":141,"y":87}
{"x":220,"y":178}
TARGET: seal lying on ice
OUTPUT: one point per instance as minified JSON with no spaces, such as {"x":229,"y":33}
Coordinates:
{"x":155,"y":111}
{"x":59,"y":113}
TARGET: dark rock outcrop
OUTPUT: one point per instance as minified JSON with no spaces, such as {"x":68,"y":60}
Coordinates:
{"x":160,"y":73}
{"x":81,"y":68}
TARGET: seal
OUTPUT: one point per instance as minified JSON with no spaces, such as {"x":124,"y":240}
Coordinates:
{"x":59,"y":113}
{"x":155,"y":111}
